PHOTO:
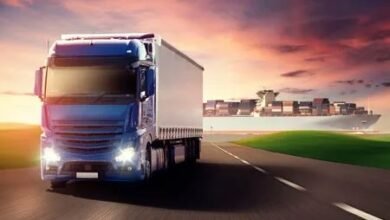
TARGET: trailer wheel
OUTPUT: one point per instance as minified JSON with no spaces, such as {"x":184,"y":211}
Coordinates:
{"x":166,"y":156}
{"x":171,"y":156}
{"x":55,"y":184}
{"x":191,"y":151}
{"x":197,"y":148}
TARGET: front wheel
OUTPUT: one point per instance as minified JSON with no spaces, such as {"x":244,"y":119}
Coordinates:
{"x":148,"y":164}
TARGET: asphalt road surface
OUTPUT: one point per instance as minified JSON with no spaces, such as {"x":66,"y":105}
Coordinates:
{"x":229,"y":182}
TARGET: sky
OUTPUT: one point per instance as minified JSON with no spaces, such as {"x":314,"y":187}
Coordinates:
{"x":301,"y":48}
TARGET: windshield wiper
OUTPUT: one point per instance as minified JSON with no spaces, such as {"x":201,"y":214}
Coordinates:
{"x":100,"y":96}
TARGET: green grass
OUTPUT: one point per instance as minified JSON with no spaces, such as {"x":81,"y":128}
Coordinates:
{"x":365,"y":150}
{"x":378,"y":137}
{"x":19,"y":146}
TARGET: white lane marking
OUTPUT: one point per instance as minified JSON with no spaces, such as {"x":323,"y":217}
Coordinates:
{"x":221,"y":148}
{"x":243,"y":161}
{"x":259,"y":169}
{"x":355,"y":211}
{"x":280,"y":179}
{"x":227,"y":152}
{"x":291,"y":184}
{"x":342,"y":206}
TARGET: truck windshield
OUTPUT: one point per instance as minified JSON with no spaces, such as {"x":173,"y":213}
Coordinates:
{"x":90,"y":76}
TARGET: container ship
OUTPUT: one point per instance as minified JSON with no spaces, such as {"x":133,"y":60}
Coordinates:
{"x":266,"y":113}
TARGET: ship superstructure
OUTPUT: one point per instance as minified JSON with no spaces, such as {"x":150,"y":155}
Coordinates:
{"x":267,"y":105}
{"x":268,"y":113}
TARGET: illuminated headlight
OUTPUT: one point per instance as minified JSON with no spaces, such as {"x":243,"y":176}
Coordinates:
{"x":50,"y":155}
{"x":125,"y":155}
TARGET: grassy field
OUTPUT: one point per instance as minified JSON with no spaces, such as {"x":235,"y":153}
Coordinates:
{"x":19,"y":145}
{"x":366,"y":150}
{"x":378,"y":137}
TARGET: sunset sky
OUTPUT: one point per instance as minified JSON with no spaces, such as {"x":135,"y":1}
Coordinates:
{"x":302,"y":48}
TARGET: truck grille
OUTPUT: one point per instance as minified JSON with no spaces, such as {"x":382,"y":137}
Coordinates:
{"x":87,"y":136}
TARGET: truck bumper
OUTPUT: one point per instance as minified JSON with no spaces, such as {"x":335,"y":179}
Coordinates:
{"x":107,"y":176}
{"x":92,"y":167}
{"x":80,"y":170}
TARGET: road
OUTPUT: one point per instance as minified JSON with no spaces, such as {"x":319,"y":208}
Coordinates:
{"x":229,"y":182}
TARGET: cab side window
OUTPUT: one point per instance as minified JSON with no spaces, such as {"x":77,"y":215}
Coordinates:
{"x":142,"y":79}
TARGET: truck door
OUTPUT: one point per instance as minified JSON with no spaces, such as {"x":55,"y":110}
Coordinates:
{"x":147,"y":102}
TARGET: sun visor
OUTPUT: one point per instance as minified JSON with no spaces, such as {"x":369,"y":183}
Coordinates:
{"x":79,"y":48}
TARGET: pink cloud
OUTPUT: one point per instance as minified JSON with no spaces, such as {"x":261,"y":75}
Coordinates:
{"x":239,"y":55}
{"x":17,"y":3}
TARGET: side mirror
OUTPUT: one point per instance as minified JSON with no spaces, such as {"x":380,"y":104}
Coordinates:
{"x":142,"y":96}
{"x":39,"y":82}
{"x":150,"y":82}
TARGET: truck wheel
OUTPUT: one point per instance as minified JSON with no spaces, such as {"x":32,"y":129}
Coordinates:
{"x":166,"y":156}
{"x":148,"y":164}
{"x":55,"y":184}
{"x":197,"y":146}
{"x":171,"y":156}
{"x":191,"y":159}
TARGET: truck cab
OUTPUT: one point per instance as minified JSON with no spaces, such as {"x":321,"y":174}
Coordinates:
{"x":99,"y":111}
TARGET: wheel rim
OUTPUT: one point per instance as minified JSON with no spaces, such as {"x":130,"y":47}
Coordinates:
{"x":147,"y":163}
{"x":147,"y":169}
{"x":166,"y":158}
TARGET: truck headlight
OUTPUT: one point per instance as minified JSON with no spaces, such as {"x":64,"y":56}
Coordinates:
{"x":125,"y":155}
{"x":50,"y":155}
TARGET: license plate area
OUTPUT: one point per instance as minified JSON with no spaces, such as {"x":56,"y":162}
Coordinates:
{"x":86,"y":167}
{"x":87,"y":175}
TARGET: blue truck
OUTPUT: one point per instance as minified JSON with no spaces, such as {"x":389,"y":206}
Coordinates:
{"x":117,"y":107}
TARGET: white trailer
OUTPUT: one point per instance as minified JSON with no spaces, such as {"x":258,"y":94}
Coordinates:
{"x":179,"y":96}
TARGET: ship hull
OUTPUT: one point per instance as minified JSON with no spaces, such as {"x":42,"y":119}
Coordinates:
{"x":277,"y":123}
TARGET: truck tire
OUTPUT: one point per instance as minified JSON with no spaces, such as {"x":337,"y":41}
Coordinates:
{"x":197,"y":149}
{"x":148,"y":164}
{"x":187,"y":144}
{"x":191,"y":151}
{"x":171,"y":156}
{"x":166,"y":156}
{"x":55,"y":184}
